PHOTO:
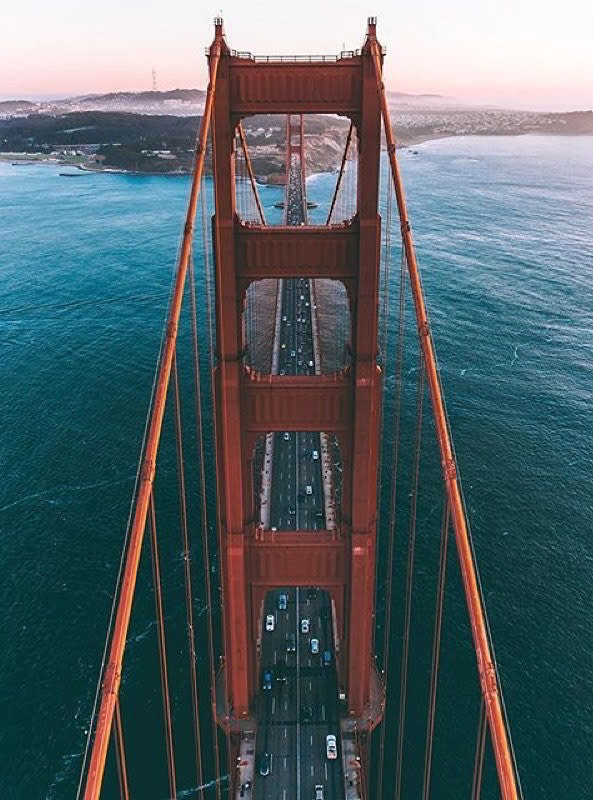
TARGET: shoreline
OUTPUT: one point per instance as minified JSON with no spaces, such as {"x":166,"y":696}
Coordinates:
{"x":29,"y":159}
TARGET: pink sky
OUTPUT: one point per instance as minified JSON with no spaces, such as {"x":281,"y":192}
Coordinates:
{"x":529,"y":54}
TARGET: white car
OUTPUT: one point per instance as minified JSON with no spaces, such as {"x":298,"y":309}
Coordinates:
{"x":331,"y":747}
{"x":315,"y":646}
{"x":304,"y":626}
{"x":315,"y":455}
{"x":308,"y":489}
{"x":286,"y":436}
{"x":270,"y":622}
{"x":319,"y":792}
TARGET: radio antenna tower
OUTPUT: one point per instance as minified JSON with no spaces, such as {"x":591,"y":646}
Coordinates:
{"x":154,"y":79}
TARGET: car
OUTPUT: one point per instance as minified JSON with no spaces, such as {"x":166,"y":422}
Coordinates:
{"x":284,"y":318}
{"x":326,"y":658}
{"x":282,"y":601}
{"x":306,"y":714}
{"x":270,"y":622}
{"x":293,"y":353}
{"x":315,"y":646}
{"x":305,"y":625}
{"x":292,"y":511}
{"x":282,"y":372}
{"x":286,"y":436}
{"x":265,"y":764}
{"x":341,"y":695}
{"x":315,"y":455}
{"x":311,"y":364}
{"x":280,"y":671}
{"x":308,"y":489}
{"x":290,"y":643}
{"x":331,"y":747}
{"x":319,"y":792}
{"x":283,"y":345}
{"x":267,"y":679}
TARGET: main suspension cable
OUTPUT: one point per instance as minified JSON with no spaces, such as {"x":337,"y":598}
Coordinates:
{"x":112,"y":671}
{"x":340,"y":174}
{"x":260,"y":209}
{"x":487,"y":670}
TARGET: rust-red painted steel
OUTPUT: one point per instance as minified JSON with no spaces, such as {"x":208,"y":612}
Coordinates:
{"x":112,"y":674}
{"x":486,"y":667}
{"x":248,"y":404}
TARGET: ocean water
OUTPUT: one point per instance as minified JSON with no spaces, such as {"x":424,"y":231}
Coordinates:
{"x":504,"y":233}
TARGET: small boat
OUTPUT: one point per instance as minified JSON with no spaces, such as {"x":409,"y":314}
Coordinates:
{"x":279,"y":204}
{"x":311,"y":204}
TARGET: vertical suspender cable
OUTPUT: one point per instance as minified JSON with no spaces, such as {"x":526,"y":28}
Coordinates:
{"x":112,"y":674}
{"x":204,"y":503}
{"x":340,"y":174}
{"x":436,"y":649}
{"x":399,"y":359}
{"x":409,"y":579}
{"x":260,"y":209}
{"x":120,"y":755}
{"x":160,"y":624}
{"x":191,"y":634}
{"x":479,"y":757}
{"x":489,"y":680}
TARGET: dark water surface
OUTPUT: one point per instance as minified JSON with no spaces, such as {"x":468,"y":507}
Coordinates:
{"x":505,"y":241}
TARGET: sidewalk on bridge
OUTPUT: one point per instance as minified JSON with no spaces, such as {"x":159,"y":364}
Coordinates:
{"x":246,"y":765}
{"x":351,"y":762}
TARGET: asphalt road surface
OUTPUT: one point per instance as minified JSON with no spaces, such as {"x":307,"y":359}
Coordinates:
{"x":300,"y":707}
{"x":297,"y":704}
{"x":297,"y":496}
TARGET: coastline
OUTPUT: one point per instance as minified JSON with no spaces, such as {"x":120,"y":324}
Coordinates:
{"x":34,"y":159}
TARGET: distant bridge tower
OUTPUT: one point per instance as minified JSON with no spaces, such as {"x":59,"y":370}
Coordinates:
{"x":346,"y":404}
{"x":154,"y":80}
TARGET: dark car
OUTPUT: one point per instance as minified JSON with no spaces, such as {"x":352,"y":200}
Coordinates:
{"x":267,"y":679}
{"x":281,"y":670}
{"x":265,"y":764}
{"x":306,"y":714}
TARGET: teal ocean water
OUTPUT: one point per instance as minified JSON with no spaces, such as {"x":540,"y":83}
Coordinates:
{"x":504,"y":233}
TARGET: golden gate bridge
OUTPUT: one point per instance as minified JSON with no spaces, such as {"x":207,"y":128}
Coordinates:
{"x":299,"y":674}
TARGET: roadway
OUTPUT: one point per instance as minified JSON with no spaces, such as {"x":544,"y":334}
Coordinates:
{"x":297,"y":494}
{"x":297,"y":704}
{"x":300,"y":707}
